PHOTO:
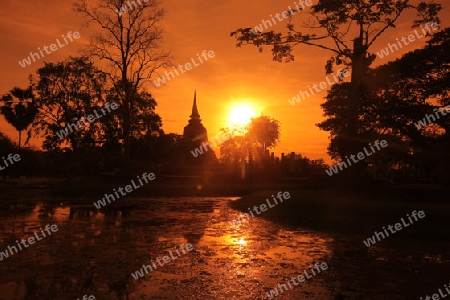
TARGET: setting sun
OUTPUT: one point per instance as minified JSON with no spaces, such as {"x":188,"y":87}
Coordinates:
{"x":241,"y":114}
{"x":270,"y":151}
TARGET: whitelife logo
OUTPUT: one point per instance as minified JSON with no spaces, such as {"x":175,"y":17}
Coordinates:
{"x":436,"y":296}
{"x":338,"y":77}
{"x":11,"y":158}
{"x":360,"y":155}
{"x":428,"y":118}
{"x":82,"y":122}
{"x":27,"y":61}
{"x":274,"y":292}
{"x":128,"y":189}
{"x":187,"y":66}
{"x":85,"y":297}
{"x":31,"y":240}
{"x":130,"y":8}
{"x":391,"y":48}
{"x":284,"y":15}
{"x":215,"y":142}
{"x":262,"y":207}
{"x":398,"y":227}
{"x":166,"y":259}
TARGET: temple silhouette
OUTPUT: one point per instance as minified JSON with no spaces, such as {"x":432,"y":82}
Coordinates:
{"x":195,"y":133}
{"x":195,"y":136}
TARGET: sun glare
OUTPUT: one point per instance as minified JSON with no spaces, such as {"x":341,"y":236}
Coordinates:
{"x":240,"y":114}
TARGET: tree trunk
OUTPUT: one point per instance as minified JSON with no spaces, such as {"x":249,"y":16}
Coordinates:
{"x":126,"y":124}
{"x":352,"y":143}
{"x":126,"y":132}
{"x":18,"y":165}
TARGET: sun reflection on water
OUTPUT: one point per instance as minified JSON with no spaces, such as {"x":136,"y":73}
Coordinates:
{"x":241,"y":242}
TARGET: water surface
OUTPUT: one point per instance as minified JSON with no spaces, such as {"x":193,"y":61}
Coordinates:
{"x":94,"y":252}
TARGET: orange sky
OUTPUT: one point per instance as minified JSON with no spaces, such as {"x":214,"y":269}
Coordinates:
{"x":233,"y":75}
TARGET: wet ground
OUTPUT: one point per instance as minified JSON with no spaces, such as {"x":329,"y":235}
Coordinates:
{"x":94,"y":253}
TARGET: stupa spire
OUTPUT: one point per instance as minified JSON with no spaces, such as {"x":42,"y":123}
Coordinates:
{"x":195,"y":115}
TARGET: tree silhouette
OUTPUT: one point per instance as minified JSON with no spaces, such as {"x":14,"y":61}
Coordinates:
{"x":265,"y":131}
{"x":346,"y":28}
{"x":19,"y":109}
{"x":400,"y":94}
{"x":233,"y":149}
{"x":252,"y":141}
{"x":129,"y":41}
{"x":145,"y":124}
{"x":68,"y":91}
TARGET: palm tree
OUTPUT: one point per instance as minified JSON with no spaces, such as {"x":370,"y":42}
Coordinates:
{"x":19,"y":109}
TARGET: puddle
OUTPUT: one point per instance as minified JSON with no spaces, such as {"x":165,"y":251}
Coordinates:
{"x":95,"y":252}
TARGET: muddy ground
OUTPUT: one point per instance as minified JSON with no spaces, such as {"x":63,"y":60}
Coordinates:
{"x":94,"y":252}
